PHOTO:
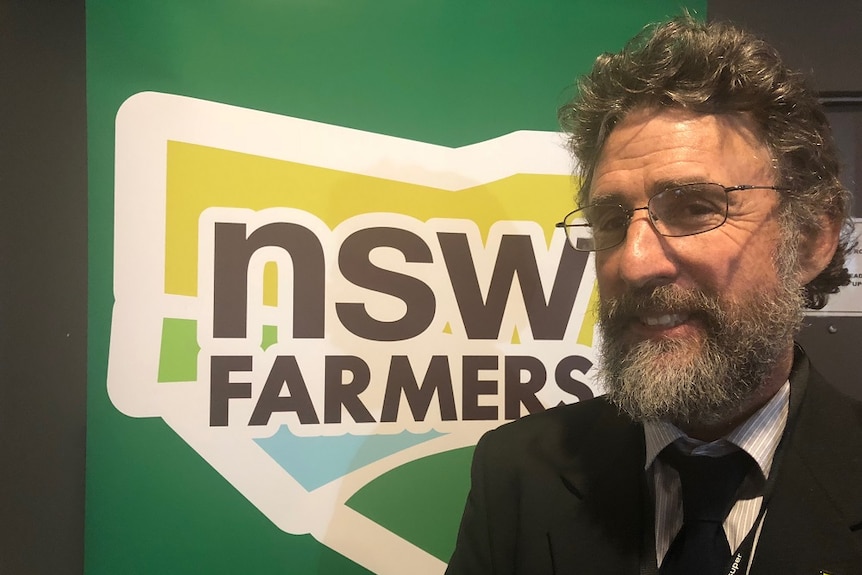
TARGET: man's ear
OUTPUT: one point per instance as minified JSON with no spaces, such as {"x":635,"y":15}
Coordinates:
{"x":817,"y":248}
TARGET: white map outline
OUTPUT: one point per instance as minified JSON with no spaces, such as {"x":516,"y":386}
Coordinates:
{"x":144,"y":125}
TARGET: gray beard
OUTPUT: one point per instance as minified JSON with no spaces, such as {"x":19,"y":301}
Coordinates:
{"x":704,"y":379}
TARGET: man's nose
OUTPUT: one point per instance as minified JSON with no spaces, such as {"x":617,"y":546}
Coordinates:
{"x":644,"y":256}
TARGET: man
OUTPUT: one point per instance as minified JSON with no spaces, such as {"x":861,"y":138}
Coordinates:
{"x":710,"y":195}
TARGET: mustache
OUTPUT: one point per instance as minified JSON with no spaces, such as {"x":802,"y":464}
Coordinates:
{"x":615,"y":313}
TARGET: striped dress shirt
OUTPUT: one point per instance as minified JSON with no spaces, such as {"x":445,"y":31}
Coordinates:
{"x":758,"y":435}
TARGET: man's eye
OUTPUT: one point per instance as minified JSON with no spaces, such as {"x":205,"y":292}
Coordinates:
{"x":702,"y":207}
{"x":608,"y":220}
{"x":692,"y":209}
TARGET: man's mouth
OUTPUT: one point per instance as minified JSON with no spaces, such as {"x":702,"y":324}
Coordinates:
{"x":666,"y":320}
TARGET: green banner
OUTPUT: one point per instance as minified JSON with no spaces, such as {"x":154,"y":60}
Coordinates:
{"x":322,"y":264}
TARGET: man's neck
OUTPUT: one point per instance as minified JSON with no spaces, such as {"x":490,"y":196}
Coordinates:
{"x":770,"y":386}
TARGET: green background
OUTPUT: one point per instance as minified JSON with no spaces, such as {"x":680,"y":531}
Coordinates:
{"x":448,"y":72}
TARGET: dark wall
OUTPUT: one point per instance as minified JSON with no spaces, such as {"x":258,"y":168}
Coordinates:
{"x":822,"y":38}
{"x":43,"y":278}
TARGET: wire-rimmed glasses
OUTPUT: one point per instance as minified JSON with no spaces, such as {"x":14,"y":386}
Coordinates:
{"x":683,"y":210}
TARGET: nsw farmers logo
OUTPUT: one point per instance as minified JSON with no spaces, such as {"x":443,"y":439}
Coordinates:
{"x":332,"y":318}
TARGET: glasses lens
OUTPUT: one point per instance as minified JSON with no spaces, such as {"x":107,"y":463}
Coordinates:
{"x":689,"y":209}
{"x":597,"y":227}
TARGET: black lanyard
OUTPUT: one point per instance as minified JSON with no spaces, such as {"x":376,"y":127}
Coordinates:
{"x":739,"y":561}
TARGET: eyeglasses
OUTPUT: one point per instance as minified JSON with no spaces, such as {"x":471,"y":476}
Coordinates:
{"x":678,"y":211}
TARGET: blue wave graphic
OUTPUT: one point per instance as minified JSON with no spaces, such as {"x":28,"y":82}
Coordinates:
{"x":315,"y":461}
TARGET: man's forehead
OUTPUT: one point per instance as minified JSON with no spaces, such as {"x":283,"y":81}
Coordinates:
{"x":679,"y":123}
{"x":682,"y":146}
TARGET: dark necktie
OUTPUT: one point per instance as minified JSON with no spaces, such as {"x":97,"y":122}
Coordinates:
{"x":709,"y":486}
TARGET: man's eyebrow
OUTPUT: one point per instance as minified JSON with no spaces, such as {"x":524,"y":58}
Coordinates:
{"x":609,"y":198}
{"x":662,"y":185}
{"x":656,"y":187}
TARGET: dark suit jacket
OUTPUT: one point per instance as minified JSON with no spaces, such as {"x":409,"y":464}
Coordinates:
{"x":564,"y":492}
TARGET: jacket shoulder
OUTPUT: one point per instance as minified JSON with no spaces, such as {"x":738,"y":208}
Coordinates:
{"x":562,"y":429}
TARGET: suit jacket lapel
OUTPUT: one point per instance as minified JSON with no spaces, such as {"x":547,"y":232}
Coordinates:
{"x":814,"y":520}
{"x":602,"y":529}
{"x":813,"y":523}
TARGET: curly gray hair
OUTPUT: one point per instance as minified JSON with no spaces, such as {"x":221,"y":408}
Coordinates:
{"x":717,"y":68}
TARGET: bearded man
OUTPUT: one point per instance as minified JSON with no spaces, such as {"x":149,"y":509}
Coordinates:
{"x":710,"y":196}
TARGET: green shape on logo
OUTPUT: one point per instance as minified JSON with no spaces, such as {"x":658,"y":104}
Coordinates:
{"x":178,"y":356}
{"x":269,"y":336}
{"x":421,"y":501}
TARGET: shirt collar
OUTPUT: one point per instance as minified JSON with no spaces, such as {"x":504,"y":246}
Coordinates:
{"x":758,"y":435}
